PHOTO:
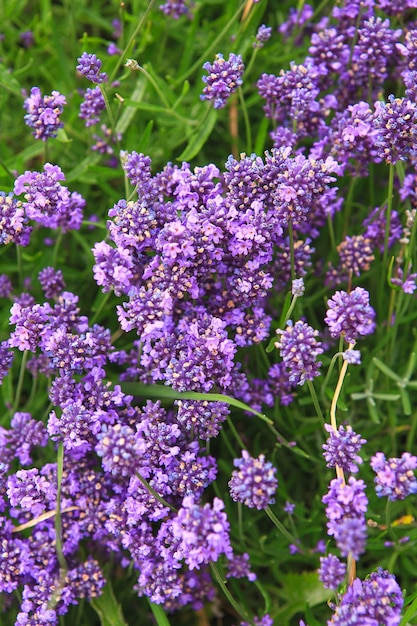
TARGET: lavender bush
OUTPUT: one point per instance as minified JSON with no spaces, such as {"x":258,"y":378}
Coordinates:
{"x":208,"y":331}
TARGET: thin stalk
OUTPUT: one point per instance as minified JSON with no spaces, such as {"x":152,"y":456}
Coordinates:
{"x":19,"y":264}
{"x":292,"y":256}
{"x":130,"y":42}
{"x":58,"y":521}
{"x":235,"y":433}
{"x":155,"y":493}
{"x":280,"y":526}
{"x":20,"y":380}
{"x":388,"y":213}
{"x":315,"y":401}
{"x":246,"y":121}
{"x":223,"y":586}
{"x":56,"y":247}
{"x":111,"y":117}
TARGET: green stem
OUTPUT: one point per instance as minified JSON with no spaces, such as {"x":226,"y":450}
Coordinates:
{"x":155,"y":493}
{"x":235,"y":433}
{"x":111,"y":117}
{"x":130,"y":42}
{"x":56,"y":248}
{"x":101,"y":307}
{"x":246,"y":122}
{"x":19,"y":264}
{"x":292,"y":256}
{"x":20,"y":381}
{"x":280,"y":526}
{"x":315,"y":401}
{"x":58,"y":521}
{"x":223,"y":586}
{"x":388,"y":213}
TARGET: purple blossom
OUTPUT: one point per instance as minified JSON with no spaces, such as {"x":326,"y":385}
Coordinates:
{"x":43,"y":113}
{"x":113,"y":268}
{"x":13,"y":222}
{"x":27,"y":38}
{"x":289,"y":508}
{"x":202,"y":533}
{"x":223,"y":78}
{"x":89,"y":66}
{"x":263,"y":34}
{"x":299,"y":349}
{"x":376,"y":600}
{"x":119,"y":449}
{"x":346,"y":507}
{"x":6,"y":359}
{"x":138,"y":170}
{"x":175,"y":8}
{"x":92,"y":106}
{"x":253,"y":482}
{"x":30,"y":491}
{"x":395,"y":122}
{"x":18,"y":441}
{"x":394,"y":477}
{"x":332,"y":571}
{"x":342,"y":447}
{"x":52,"y":282}
{"x":350,"y":315}
{"x":47,"y":201}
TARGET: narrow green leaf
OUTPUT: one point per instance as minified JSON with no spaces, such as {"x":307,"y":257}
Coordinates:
{"x":159,"y":614}
{"x":130,"y":111}
{"x":108,"y":609}
{"x":386,"y":370}
{"x":199,"y":138}
{"x":411,"y":610}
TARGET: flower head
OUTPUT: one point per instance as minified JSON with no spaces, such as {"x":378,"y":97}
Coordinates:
{"x":43,"y":113}
{"x":89,"y":66}
{"x":253,"y":482}
{"x":332,"y":571}
{"x":13,"y":222}
{"x":376,"y":600}
{"x":350,"y":314}
{"x":394,"y":477}
{"x":342,"y":447}
{"x":224,"y":77}
{"x":299,"y":348}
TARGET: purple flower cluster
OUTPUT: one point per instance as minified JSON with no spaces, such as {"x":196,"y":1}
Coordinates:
{"x":224,"y":77}
{"x":350,"y":315}
{"x":345,"y":510}
{"x":375,"y":600}
{"x":92,"y":106}
{"x":13,"y":221}
{"x":332,"y":572}
{"x":395,"y":477}
{"x":43,"y":113}
{"x":253,"y":482}
{"x":47,"y":201}
{"x":299,"y":350}
{"x":342,"y":448}
{"x":89,"y":66}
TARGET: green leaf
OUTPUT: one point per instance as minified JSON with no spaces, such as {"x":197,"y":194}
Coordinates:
{"x":108,"y":609}
{"x":199,"y":138}
{"x":299,"y":591}
{"x":386,"y":370}
{"x":411,"y":610}
{"x":159,"y":614}
{"x":130,"y":110}
{"x":8,"y":81}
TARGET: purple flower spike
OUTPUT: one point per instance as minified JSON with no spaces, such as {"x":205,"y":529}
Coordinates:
{"x":394,"y":477}
{"x":43,"y":113}
{"x":376,"y":600}
{"x":254,"y":482}
{"x":350,"y":314}
{"x":332,"y":571}
{"x":299,"y":348}
{"x":89,"y":66}
{"x":224,"y":77}
{"x":342,"y":447}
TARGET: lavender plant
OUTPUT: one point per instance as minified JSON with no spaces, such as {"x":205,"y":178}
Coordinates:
{"x":207,"y":339}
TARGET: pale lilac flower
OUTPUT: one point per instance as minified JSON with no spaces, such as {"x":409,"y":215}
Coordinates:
{"x":224,"y":77}
{"x":395,"y":477}
{"x":253,"y":482}
{"x":43,"y":113}
{"x":332,"y":571}
{"x":350,"y":315}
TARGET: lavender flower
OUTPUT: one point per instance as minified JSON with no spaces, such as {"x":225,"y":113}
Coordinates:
{"x":299,"y":349}
{"x":89,"y":66}
{"x":262,"y":36}
{"x":13,"y":222}
{"x":395,"y":121}
{"x":52,"y":282}
{"x":43,"y":113}
{"x":6,"y":359}
{"x":394,"y":477}
{"x":350,"y":315}
{"x":47,"y":201}
{"x":346,"y":506}
{"x":138,"y":170}
{"x":376,"y":600}
{"x":202,"y":532}
{"x":175,"y":8}
{"x":224,"y":77}
{"x":332,"y":571}
{"x":30,"y":491}
{"x":92,"y":105}
{"x":119,"y":449}
{"x":254,"y":482}
{"x":342,"y":447}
